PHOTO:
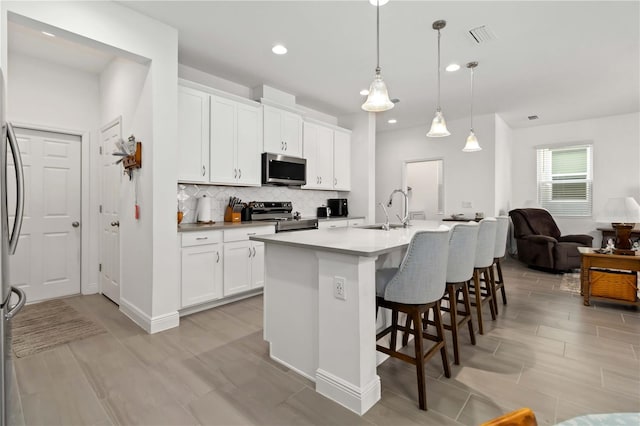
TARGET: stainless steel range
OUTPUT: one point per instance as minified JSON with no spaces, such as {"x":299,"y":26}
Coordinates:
{"x":281,"y":213}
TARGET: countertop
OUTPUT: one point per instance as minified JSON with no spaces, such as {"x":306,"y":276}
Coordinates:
{"x":191,"y":227}
{"x":356,"y":241}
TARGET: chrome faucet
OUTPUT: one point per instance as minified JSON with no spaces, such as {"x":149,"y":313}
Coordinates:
{"x":385,"y":225}
{"x":404,"y":220}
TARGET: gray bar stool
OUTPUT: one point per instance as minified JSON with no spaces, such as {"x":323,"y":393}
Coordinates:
{"x":415,"y":288}
{"x":482,"y":269}
{"x":502,"y":230}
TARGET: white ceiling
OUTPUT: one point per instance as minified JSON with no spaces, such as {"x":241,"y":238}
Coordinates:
{"x":552,"y":59}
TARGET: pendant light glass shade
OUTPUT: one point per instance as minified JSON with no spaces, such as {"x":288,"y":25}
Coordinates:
{"x":378,"y":99}
{"x":472,"y":144}
{"x":438,"y":125}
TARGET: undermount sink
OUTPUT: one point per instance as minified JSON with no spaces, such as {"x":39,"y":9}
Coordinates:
{"x":380,"y":226}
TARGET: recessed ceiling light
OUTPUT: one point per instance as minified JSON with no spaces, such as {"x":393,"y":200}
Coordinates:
{"x":392,"y":121}
{"x":364,"y":92}
{"x":452,"y":67}
{"x":48,"y":34}
{"x":279,"y":49}
{"x":378,"y":2}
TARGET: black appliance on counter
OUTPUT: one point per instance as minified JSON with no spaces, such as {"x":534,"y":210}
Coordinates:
{"x":339,"y":207}
{"x":281,"y":213}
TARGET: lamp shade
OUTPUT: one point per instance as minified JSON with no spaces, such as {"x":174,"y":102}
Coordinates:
{"x":438,"y":126}
{"x":378,"y":99}
{"x":472,"y":144}
{"x":621,"y":210}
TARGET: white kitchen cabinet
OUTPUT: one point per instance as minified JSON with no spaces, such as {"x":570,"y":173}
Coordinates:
{"x":330,"y":224}
{"x":193,"y":135}
{"x":235,"y":143}
{"x":201,"y":268}
{"x":341,"y":161}
{"x":318,"y":150}
{"x":282,"y":132}
{"x":244,"y":259}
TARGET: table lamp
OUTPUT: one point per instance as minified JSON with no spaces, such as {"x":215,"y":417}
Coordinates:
{"x":623,"y":213}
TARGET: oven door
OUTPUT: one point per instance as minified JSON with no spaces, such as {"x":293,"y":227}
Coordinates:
{"x":282,"y":170}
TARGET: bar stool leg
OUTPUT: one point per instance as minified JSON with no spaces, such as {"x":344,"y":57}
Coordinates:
{"x":477,"y":291}
{"x":467,"y":306}
{"x":394,"y":331}
{"x":490,"y":291}
{"x":453,"y":307}
{"x":501,"y":281}
{"x":437,"y":319}
{"x":494,"y":290}
{"x":419,"y":349}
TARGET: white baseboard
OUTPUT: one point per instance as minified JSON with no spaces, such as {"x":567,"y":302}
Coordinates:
{"x":356,"y":399}
{"x":148,"y":324}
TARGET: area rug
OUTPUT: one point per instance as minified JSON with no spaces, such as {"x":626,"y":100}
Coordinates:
{"x":43,"y":326}
{"x":570,"y":283}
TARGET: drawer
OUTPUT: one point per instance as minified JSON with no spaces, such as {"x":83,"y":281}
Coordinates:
{"x":244,"y":233}
{"x":356,"y":222}
{"x":330,"y":224}
{"x":201,"y":238}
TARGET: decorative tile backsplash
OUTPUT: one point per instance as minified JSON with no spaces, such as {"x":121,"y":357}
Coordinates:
{"x":304,"y":201}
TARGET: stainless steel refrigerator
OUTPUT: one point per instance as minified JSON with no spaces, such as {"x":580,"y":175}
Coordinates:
{"x":10,"y":407}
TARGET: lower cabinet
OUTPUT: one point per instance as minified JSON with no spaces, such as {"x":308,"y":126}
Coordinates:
{"x":243,"y":266}
{"x":201,"y":268}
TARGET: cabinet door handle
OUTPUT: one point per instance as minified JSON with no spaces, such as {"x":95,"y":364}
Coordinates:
{"x":254,"y":252}
{"x":239,"y":173}
{"x":249,"y":251}
{"x":202,"y":238}
{"x":235,"y":173}
{"x":286,"y":146}
{"x":204,"y":170}
{"x":282,"y":145}
{"x":217,"y":257}
{"x":321,"y":179}
{"x":335,"y":181}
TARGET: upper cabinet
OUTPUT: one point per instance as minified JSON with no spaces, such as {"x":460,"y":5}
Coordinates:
{"x":342,"y":161}
{"x":193,"y":135}
{"x":328,"y":154}
{"x":235,"y":143}
{"x":282,"y":132}
{"x":220,"y":139}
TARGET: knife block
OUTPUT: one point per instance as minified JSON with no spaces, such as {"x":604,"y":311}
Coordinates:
{"x":231,"y":216}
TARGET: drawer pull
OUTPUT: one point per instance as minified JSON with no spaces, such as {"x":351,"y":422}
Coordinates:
{"x":202,"y":238}
{"x":251,"y":233}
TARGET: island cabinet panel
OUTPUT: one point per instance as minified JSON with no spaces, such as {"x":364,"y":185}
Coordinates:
{"x":237,"y":267}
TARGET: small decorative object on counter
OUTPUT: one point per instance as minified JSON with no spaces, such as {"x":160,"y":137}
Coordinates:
{"x":233,"y":210}
{"x":203,"y":213}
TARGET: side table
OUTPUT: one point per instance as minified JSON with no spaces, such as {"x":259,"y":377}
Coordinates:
{"x":591,"y":259}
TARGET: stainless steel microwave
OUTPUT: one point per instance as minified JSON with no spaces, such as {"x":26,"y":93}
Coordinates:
{"x":282,"y":170}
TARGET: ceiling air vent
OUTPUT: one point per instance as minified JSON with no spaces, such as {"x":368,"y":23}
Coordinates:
{"x":482,"y":34}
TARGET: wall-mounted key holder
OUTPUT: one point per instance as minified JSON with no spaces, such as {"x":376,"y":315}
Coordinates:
{"x":131,"y":153}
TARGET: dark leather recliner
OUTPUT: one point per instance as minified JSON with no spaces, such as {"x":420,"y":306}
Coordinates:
{"x":540,"y":243}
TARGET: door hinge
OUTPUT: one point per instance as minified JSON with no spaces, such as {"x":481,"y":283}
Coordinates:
{"x":100,"y":208}
{"x":100,"y":150}
{"x":100,"y":267}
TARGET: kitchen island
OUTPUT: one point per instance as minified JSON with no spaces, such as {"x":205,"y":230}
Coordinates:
{"x":320,"y":308}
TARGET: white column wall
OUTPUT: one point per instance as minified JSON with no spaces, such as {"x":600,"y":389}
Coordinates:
{"x":155,"y":248}
{"x":467,"y":176}
{"x":504,"y":143}
{"x":616,"y":169}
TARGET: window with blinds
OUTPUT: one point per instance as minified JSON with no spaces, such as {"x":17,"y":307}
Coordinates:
{"x":565,"y":180}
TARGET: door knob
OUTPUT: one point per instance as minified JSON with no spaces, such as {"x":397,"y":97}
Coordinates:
{"x":115,"y":223}
{"x":75,"y":224}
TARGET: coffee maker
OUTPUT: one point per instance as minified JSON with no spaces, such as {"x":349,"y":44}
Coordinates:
{"x":339,"y":207}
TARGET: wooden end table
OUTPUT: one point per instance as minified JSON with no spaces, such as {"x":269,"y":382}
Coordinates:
{"x":591,"y":259}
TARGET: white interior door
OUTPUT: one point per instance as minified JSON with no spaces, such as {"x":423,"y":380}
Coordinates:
{"x":109,"y":215}
{"x":47,"y":262}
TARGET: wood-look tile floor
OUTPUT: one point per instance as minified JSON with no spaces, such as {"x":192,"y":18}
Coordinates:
{"x":546,"y":351}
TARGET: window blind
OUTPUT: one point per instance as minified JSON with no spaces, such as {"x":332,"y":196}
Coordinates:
{"x":565,"y":179}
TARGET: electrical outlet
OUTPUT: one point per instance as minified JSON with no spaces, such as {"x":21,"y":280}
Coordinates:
{"x":339,"y":291}
{"x":466,"y":205}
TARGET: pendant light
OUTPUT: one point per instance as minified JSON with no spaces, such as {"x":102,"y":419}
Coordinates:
{"x":378,"y":99}
{"x":472,"y":144}
{"x":438,"y":125}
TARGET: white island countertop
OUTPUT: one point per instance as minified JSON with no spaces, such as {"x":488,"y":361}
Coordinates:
{"x":357,"y":241}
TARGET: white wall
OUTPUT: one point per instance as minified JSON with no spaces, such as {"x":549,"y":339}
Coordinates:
{"x":362,"y":199}
{"x":115,"y":26}
{"x":58,"y":97}
{"x":503,"y":153}
{"x":468,"y":177}
{"x":616,"y":166}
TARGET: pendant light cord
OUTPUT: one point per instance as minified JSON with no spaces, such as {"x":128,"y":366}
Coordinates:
{"x":438,"y":70}
{"x":377,"y":36}
{"x":472,"y":99}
